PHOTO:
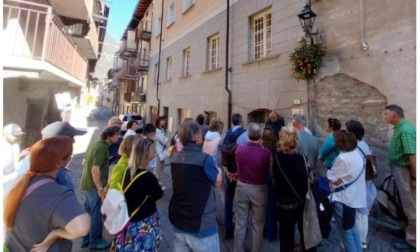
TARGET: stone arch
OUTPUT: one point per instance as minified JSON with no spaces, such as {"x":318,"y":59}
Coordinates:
{"x":259,"y":116}
{"x":343,"y":97}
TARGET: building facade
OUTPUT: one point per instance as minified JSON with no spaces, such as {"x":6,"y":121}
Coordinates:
{"x":50,"y":47}
{"x":206,"y":57}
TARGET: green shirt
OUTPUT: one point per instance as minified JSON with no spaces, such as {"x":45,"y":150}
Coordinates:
{"x":118,"y":172}
{"x":403,"y":144}
{"x":97,"y":154}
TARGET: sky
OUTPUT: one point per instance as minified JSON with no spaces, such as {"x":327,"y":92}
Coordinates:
{"x":120,"y":14}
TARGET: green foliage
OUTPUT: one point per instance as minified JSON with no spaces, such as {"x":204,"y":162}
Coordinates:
{"x":306,"y":60}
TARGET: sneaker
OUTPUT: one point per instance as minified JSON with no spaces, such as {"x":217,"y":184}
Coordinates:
{"x":401,"y":245}
{"x":101,"y":245}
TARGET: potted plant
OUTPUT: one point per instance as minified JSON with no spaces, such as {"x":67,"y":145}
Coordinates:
{"x":306,"y":60}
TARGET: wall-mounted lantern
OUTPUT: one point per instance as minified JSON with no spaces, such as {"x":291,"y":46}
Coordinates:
{"x":307,"y":19}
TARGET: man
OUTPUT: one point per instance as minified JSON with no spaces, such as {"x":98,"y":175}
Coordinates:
{"x":238,"y":135}
{"x":308,"y":144}
{"x":113,"y":149}
{"x":203,"y":126}
{"x":132,"y":126}
{"x":253,"y":161}
{"x":275,"y":122}
{"x":51,"y":130}
{"x":402,"y":157}
{"x":93,"y":182}
{"x":11,"y":149}
{"x":192,"y":209}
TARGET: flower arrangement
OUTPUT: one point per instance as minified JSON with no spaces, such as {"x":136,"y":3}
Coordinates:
{"x":306,"y":60}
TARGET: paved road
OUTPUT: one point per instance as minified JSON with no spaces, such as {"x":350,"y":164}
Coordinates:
{"x":379,"y":238}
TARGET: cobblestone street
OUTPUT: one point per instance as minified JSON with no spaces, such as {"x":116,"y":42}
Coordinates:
{"x":379,"y":237}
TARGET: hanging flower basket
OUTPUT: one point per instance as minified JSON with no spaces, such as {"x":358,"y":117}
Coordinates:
{"x":306,"y":61}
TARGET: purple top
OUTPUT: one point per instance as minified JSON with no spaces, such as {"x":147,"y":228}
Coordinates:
{"x":253,"y":161}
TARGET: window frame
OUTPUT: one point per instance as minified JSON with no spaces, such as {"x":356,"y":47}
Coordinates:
{"x":171,"y":14}
{"x":158,"y":25}
{"x":186,"y":62}
{"x":187,"y":4}
{"x":168,"y":75}
{"x":263,"y":47}
{"x":213,"y":60}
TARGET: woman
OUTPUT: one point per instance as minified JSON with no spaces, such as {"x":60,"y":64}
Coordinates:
{"x":328,"y":151}
{"x":212,"y":140}
{"x":290,"y":174}
{"x":270,"y":140}
{"x":347,"y":183}
{"x":38,"y":208}
{"x":161,"y":143}
{"x":119,"y":169}
{"x":143,"y":231}
{"x":362,"y":223}
{"x":211,"y":147}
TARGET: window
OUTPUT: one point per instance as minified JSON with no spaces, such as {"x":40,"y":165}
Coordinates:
{"x":213,"y":52}
{"x":186,"y":62}
{"x":156,"y":72}
{"x":187,"y":4}
{"x":171,"y":14}
{"x":158,"y":23}
{"x":261,"y":35}
{"x":168,"y":68}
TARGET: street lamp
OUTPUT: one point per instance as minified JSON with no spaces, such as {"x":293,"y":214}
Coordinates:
{"x":307,"y":19}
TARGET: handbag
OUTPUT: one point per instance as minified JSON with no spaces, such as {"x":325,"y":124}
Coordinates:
{"x":389,"y":199}
{"x":114,"y":208}
{"x":325,"y":210}
{"x":312,"y":234}
{"x":371,"y":170}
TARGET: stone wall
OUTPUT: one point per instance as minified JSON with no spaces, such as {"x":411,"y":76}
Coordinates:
{"x":343,"y":97}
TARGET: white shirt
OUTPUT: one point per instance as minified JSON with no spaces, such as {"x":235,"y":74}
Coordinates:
{"x":130,"y":132}
{"x":347,"y":167}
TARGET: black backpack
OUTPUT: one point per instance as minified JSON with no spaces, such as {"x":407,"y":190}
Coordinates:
{"x":228,"y":149}
{"x":390,"y":201}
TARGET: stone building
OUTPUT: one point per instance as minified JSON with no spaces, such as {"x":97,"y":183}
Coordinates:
{"x":49,"y":48}
{"x":197,"y":64}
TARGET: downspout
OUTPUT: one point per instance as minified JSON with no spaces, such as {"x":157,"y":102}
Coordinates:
{"x":227,"y":68}
{"x":160,"y":51}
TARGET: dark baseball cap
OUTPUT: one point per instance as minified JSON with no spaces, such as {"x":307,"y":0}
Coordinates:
{"x":61,"y":129}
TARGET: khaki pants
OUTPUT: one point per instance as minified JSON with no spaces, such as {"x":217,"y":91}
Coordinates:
{"x":402,"y":177}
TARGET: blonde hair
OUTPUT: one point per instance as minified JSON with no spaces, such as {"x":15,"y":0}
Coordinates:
{"x":44,"y":156}
{"x":289,"y":138}
{"x":139,"y":158}
{"x":127,"y":145}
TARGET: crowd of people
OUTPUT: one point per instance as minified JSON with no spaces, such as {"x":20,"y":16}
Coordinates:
{"x":264,"y":186}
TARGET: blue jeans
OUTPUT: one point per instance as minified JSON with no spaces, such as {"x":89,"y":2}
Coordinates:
{"x":350,"y":237}
{"x":186,"y":242}
{"x":64,"y":178}
{"x":93,"y":207}
{"x":229,"y":195}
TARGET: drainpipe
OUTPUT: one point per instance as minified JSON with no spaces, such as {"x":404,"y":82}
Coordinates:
{"x":227,"y":68}
{"x":160,"y":51}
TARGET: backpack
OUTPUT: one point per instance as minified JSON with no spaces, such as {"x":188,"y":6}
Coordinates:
{"x":371,"y":171}
{"x":389,"y":199}
{"x":228,"y":149}
{"x":114,"y":207}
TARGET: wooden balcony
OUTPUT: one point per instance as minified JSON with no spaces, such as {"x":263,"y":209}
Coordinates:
{"x":34,"y":33}
{"x":127,"y":72}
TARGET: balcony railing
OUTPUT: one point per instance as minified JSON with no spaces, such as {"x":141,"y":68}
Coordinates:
{"x":128,"y":47}
{"x":34,"y":31}
{"x":145,"y":31}
{"x":128,"y":71}
{"x":142,"y":63}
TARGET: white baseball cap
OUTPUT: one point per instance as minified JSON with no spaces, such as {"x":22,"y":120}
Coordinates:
{"x":13,"y":129}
